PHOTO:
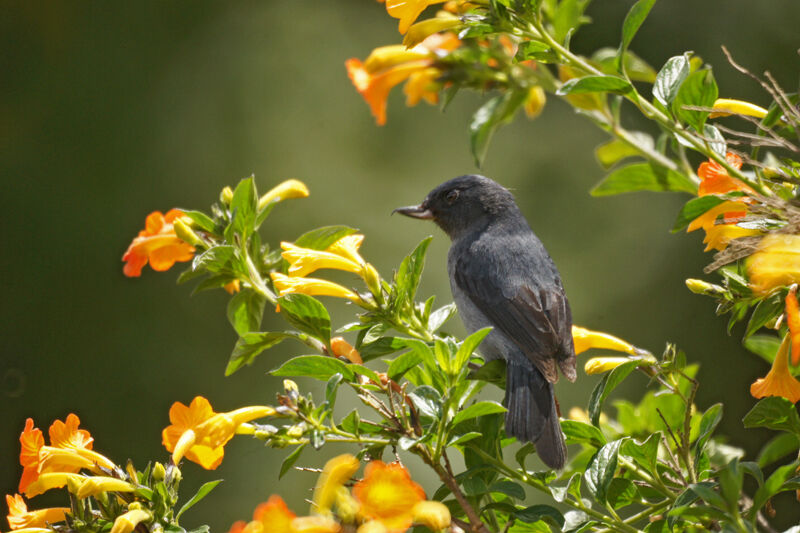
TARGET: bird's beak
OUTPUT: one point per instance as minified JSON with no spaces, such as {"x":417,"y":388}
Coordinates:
{"x":415,"y":211}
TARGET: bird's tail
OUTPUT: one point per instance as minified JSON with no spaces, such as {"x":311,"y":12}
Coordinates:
{"x":532,"y":414}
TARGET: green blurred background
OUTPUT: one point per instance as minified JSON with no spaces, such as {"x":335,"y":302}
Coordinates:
{"x":112,"y":110}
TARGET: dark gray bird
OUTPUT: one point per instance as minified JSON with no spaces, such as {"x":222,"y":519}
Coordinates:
{"x":502,"y":276}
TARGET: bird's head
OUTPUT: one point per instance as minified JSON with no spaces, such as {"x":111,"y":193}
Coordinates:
{"x":463,"y":203}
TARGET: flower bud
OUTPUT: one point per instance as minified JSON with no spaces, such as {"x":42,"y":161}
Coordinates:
{"x":295,"y":431}
{"x":290,"y":387}
{"x":134,"y":506}
{"x":342,"y":348}
{"x":600,"y":365}
{"x":699,"y":286}
{"x":284,"y":191}
{"x":373,"y":279}
{"x":159,"y":472}
{"x":724,"y":107}
{"x":373,"y":526}
{"x":346,"y":506}
{"x":431,"y":514}
{"x":534,"y":102}
{"x":226,"y":196}
{"x":185,"y":233}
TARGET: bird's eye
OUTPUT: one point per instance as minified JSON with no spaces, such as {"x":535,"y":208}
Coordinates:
{"x":452,"y":196}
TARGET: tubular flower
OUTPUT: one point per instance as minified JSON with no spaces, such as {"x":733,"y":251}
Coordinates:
{"x":274,"y":515}
{"x":311,"y":286}
{"x":200,"y":434}
{"x":585,"y":339}
{"x":431,"y":514}
{"x":314,"y":524}
{"x":422,"y":30}
{"x":716,"y":179}
{"x":388,"y":66}
{"x":125,"y":523}
{"x":336,"y":473}
{"x":724,"y":107}
{"x":97,"y":484}
{"x":718,"y":236}
{"x":342,"y":348}
{"x":284,"y":191}
{"x":388,"y":494}
{"x":534,"y":102}
{"x":304,"y":261}
{"x":778,"y":381}
{"x":158,"y":244}
{"x":31,"y":441}
{"x":19,"y":517}
{"x":793,"y":320}
{"x":776,"y":263}
{"x":407,"y":11}
{"x":53,"y":480}
{"x":601,"y":365}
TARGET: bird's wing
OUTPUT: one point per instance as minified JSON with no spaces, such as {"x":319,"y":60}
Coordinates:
{"x":535,"y":317}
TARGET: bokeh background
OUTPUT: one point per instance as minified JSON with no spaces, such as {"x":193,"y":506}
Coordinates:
{"x":109,"y":111}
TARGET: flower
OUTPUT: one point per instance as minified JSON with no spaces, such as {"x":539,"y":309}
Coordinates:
{"x":793,"y":321}
{"x":125,"y":523}
{"x":431,"y":514}
{"x":407,"y":11}
{"x":54,"y":480}
{"x":719,"y":235}
{"x":284,"y":191}
{"x":724,"y":107}
{"x":313,"y":524}
{"x":534,"y":102}
{"x":304,"y":261}
{"x":200,"y":434}
{"x":388,"y":66}
{"x":585,"y":339}
{"x":342,"y":348}
{"x":716,"y":179}
{"x":336,"y":473}
{"x":388,"y":494}
{"x":274,"y":514}
{"x":422,"y":30}
{"x":31,"y":441}
{"x":97,"y":484}
{"x":775,"y":264}
{"x":20,"y":517}
{"x":600,"y":365}
{"x":311,"y":286}
{"x":778,"y":381}
{"x":158,"y":244}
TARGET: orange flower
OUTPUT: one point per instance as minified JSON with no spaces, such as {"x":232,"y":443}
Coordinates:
{"x":778,"y":382}
{"x":19,"y":517}
{"x":158,"y":244}
{"x":31,"y":441}
{"x":388,"y":66}
{"x":274,"y":514}
{"x":200,"y":434}
{"x":407,"y":11}
{"x":387,"y":494}
{"x":793,"y":320}
{"x":342,"y":348}
{"x":716,"y":179}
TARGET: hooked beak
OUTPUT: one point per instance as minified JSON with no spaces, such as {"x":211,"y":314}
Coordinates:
{"x":415,"y":211}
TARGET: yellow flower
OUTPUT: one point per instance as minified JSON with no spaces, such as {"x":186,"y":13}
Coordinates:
{"x":431,"y":514}
{"x":600,"y":365}
{"x":585,"y":339}
{"x":125,"y":523}
{"x":719,"y":235}
{"x":304,"y":261}
{"x":534,"y":102}
{"x":314,"y":524}
{"x":776,"y":263}
{"x":407,"y":11}
{"x":373,"y":526}
{"x":97,"y":484}
{"x":311,"y":286}
{"x":200,"y":434}
{"x":779,"y":381}
{"x":388,"y":494}
{"x":284,"y":191}
{"x":53,"y":480}
{"x":20,"y":517}
{"x":422,"y":30}
{"x":336,"y":473}
{"x":724,"y":107}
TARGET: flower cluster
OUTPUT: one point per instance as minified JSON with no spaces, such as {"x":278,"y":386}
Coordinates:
{"x":386,"y":500}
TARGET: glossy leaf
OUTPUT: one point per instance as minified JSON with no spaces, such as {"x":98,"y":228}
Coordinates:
{"x":670,"y":78}
{"x":606,"y":386}
{"x":245,"y":311}
{"x":243,"y":210}
{"x":313,"y":366}
{"x":616,"y":150}
{"x":774,"y":413}
{"x":643,"y":177}
{"x":322,"y":238}
{"x":201,"y":220}
{"x":711,"y":418}
{"x":699,"y":89}
{"x":250,"y":345}
{"x":766,"y":310}
{"x":534,"y":513}
{"x":478,"y":409}
{"x":290,"y":460}
{"x":402,"y":364}
{"x":633,"y":21}
{"x":582,"y":433}
{"x":622,"y":492}
{"x":306,"y":314}
{"x":408,"y":275}
{"x":601,"y":470}
{"x":595,"y":84}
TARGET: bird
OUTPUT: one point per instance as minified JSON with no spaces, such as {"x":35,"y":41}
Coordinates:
{"x":502,"y":276}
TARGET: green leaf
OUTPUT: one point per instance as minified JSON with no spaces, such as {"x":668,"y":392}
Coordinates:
{"x":440,"y":316}
{"x":765,"y":346}
{"x":493,"y":371}
{"x":245,"y":311}
{"x":731,"y":479}
{"x":382,"y":346}
{"x":330,"y":389}
{"x":488,"y":117}
{"x":582,"y":433}
{"x":715,"y":141}
{"x":670,"y":78}
{"x":614,"y":151}
{"x":601,"y":470}
{"x":693,"y":209}
{"x":708,"y":495}
{"x":402,"y":364}
{"x":409,"y":274}
{"x":643,"y":453}
{"x":478,"y":409}
{"x":766,"y":310}
{"x":643,"y":177}
{"x":201,"y":220}
{"x":201,"y":493}
{"x":699,"y":89}
{"x":243,"y":210}
{"x":711,"y":418}
{"x":633,"y":21}
{"x":469,"y":345}
{"x":351,"y":422}
{"x":606,"y":386}
{"x":307,"y":314}
{"x":290,"y":460}
{"x":568,"y":17}
{"x":535,"y":513}
{"x":622,"y":492}
{"x":250,"y":345}
{"x":778,"y":447}
{"x":216,"y":259}
{"x":427,"y":400}
{"x":595,"y":84}
{"x":772,"y":486}
{"x":322,"y":238}
{"x":774,"y":413}
{"x":509,"y":488}
{"x":314,"y":366}
{"x":535,"y":50}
